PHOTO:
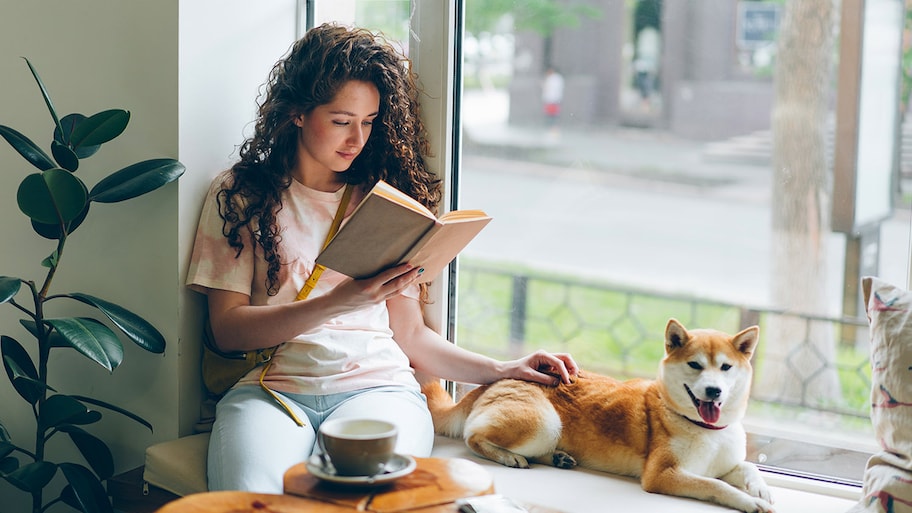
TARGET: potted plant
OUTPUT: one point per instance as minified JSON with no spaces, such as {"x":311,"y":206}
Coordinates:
{"x":57,"y":202}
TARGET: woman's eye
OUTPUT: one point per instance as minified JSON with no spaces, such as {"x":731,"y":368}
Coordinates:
{"x":695,"y":365}
{"x":340,"y":123}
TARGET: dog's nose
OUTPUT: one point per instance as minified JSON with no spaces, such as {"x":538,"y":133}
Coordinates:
{"x":713,"y":392}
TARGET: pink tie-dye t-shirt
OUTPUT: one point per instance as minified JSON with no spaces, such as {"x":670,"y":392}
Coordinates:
{"x":353,"y":351}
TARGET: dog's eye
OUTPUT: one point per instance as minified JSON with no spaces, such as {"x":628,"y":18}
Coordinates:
{"x":725,"y":367}
{"x":695,"y":365}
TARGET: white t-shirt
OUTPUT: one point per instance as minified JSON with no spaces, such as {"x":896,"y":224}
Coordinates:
{"x":350,"y":352}
{"x":553,"y":88}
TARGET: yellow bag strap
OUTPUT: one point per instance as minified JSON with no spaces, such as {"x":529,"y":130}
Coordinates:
{"x":302,"y":295}
{"x":318,"y":269}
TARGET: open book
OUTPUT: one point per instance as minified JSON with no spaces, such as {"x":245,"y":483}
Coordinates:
{"x":390,"y":228}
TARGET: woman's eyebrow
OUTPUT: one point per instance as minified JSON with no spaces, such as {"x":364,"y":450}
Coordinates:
{"x":349,"y":113}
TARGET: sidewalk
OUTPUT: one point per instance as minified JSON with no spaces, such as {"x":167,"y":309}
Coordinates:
{"x":639,"y":154}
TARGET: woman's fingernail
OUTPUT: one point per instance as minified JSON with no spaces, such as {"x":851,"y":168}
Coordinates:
{"x":421,"y":270}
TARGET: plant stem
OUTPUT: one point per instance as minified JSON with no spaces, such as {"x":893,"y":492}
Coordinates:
{"x":27,"y":453}
{"x":54,"y":262}
{"x":21,"y":308}
{"x":42,"y":333}
{"x":49,"y":504}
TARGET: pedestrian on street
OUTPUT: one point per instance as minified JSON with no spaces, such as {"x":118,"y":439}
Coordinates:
{"x":552,"y":97}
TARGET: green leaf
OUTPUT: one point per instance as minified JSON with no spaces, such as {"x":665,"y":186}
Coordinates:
{"x":93,"y":449}
{"x":87,"y":489}
{"x":100,"y":128}
{"x":51,"y":260}
{"x":6,"y":448}
{"x":84,"y":419}
{"x":133,"y":326}
{"x":8,"y":465}
{"x":44,"y":93}
{"x":59,"y":409}
{"x":21,"y":370}
{"x":68,"y":497}
{"x":136,"y":180}
{"x":64,"y":156}
{"x":69,"y":123}
{"x":30,"y":388}
{"x":53,"y":232}
{"x":9,"y":287}
{"x":13,"y":350}
{"x":32,"y":477}
{"x":31,"y":326}
{"x":29,"y":150}
{"x":55,"y":338}
{"x":52,"y":197}
{"x":91,"y":338}
{"x":113,"y":408}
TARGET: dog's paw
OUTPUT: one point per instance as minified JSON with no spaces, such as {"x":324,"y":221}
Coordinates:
{"x":514,"y":460}
{"x":746,"y":477}
{"x":561,"y":459}
{"x":757,"y":488}
{"x":761,"y":506}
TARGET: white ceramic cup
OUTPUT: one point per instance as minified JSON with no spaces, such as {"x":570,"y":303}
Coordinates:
{"x":357,"y":447}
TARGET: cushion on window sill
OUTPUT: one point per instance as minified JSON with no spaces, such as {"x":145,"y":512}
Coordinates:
{"x":888,"y":476}
{"x":178,"y":466}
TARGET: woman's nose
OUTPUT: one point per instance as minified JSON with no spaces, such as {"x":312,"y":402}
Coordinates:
{"x":357,"y":136}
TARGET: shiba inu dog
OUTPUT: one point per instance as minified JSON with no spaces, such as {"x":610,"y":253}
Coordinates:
{"x":681,"y":433}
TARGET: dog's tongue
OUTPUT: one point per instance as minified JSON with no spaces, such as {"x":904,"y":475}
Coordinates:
{"x":709,"y":411}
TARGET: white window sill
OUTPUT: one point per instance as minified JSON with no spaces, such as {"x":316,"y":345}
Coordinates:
{"x":585,"y":491}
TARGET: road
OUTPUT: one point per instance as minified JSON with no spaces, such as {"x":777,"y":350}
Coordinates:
{"x":708,"y":236}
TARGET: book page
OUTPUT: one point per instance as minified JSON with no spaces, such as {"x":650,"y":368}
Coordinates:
{"x":462,"y":214}
{"x":393,"y":194}
{"x":441,"y":244}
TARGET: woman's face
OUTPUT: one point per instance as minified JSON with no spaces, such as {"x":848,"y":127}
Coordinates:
{"x":332,"y":135}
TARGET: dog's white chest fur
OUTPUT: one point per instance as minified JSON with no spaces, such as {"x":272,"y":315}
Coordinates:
{"x":712,"y":453}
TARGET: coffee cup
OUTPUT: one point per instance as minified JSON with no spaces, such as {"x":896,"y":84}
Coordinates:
{"x":357,"y":447}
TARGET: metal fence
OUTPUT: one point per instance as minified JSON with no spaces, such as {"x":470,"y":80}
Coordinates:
{"x":620,"y":331}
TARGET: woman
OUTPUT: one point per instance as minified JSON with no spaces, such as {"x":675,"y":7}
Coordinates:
{"x":341,"y":108}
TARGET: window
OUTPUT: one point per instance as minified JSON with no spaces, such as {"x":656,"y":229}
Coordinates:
{"x":682,"y":165}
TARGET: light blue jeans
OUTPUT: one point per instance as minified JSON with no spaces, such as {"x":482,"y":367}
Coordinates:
{"x":254,"y":441}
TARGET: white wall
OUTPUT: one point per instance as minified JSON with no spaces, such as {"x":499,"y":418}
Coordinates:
{"x":188,"y":71}
{"x":227,"y":49}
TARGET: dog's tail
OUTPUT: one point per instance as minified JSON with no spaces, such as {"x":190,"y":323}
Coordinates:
{"x":449,"y":417}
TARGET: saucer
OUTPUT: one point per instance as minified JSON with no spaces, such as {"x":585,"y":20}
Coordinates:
{"x":398,"y":466}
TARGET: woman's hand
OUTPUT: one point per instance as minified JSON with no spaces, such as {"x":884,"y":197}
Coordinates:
{"x":354,"y":294}
{"x":543,"y":367}
{"x":433,"y":355}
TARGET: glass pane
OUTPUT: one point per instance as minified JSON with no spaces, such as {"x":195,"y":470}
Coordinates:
{"x":646,"y":160}
{"x":391,"y":17}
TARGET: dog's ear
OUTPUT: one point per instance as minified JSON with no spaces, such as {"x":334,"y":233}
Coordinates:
{"x":675,"y":335}
{"x":746,"y":340}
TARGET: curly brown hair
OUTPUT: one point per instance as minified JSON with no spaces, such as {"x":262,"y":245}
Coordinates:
{"x":316,"y":68}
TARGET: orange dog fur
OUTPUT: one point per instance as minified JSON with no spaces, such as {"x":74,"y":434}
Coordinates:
{"x":681,"y":433}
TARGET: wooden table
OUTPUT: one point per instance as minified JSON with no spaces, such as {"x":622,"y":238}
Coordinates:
{"x":432,"y":487}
